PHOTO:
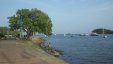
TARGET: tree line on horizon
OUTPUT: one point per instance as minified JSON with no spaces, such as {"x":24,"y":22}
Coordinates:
{"x":102,"y":30}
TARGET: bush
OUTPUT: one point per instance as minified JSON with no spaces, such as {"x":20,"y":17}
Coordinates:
{"x":1,"y":35}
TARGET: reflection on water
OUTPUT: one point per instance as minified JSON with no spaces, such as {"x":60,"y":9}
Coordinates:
{"x":84,"y":49}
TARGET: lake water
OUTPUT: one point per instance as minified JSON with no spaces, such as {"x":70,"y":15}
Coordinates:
{"x":84,"y":49}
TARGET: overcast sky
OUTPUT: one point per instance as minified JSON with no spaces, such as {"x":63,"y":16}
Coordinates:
{"x":68,"y":16}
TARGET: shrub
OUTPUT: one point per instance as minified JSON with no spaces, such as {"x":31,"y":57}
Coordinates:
{"x":1,"y":35}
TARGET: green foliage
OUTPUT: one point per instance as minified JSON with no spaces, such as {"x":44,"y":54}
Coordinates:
{"x":100,"y":31}
{"x":6,"y":31}
{"x":15,"y":32}
{"x":32,"y":20}
{"x":1,"y":35}
{"x":3,"y":31}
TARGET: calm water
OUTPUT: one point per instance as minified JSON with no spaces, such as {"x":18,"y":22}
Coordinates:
{"x":84,"y":49}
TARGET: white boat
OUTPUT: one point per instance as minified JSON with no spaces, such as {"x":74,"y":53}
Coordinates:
{"x":105,"y":36}
{"x":64,"y":35}
{"x":94,"y":34}
{"x":81,"y":34}
{"x":55,"y":34}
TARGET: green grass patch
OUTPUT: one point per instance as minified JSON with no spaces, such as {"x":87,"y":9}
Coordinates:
{"x":30,"y":44}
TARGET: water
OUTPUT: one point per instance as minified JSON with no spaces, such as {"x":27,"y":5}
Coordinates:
{"x":84,"y":49}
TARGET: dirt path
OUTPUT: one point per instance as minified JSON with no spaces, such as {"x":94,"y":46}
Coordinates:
{"x":12,"y":52}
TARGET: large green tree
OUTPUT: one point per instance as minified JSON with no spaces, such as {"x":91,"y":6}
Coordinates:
{"x":31,"y":21}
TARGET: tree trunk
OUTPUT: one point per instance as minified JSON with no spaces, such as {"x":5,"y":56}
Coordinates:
{"x":29,"y":34}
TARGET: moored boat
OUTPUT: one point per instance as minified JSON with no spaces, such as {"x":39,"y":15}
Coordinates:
{"x":94,"y":34}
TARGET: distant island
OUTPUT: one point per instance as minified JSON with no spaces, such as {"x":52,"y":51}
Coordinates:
{"x":101,"y":31}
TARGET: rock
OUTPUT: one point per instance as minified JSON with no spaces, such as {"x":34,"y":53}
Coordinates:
{"x":36,"y":40}
{"x":56,"y":53}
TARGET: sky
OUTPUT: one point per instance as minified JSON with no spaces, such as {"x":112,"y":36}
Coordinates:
{"x":68,"y":16}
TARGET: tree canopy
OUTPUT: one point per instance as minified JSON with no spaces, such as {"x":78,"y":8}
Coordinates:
{"x":31,"y":21}
{"x":100,"y":31}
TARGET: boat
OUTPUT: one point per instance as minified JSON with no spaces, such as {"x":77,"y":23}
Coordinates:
{"x":81,"y":34}
{"x":64,"y":35}
{"x":94,"y":34}
{"x":55,"y":34}
{"x":105,"y":36}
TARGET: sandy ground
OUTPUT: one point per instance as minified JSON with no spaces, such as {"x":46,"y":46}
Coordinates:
{"x":17,"y":52}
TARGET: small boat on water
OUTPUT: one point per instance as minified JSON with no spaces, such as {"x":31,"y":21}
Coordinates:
{"x":105,"y":36}
{"x":55,"y":34}
{"x":70,"y":35}
{"x":94,"y":34}
{"x":64,"y":35}
{"x":81,"y":34}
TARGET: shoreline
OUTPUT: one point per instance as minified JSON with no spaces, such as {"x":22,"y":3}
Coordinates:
{"x":42,"y":54}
